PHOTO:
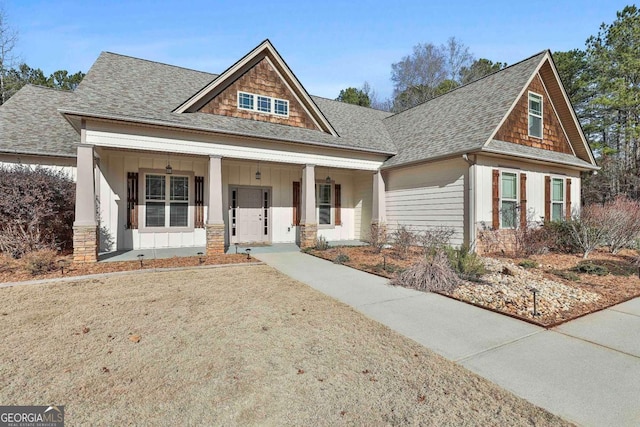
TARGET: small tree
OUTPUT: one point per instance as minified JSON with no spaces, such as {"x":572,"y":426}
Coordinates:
{"x":378,"y":237}
{"x":403,"y":239}
{"x":36,"y":209}
{"x":587,"y":231}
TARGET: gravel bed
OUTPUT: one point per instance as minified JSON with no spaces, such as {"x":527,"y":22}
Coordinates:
{"x":508,"y":288}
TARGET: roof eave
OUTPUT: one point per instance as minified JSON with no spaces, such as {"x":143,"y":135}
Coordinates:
{"x":163,"y":124}
{"x":586,"y":167}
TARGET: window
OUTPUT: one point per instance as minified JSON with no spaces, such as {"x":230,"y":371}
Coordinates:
{"x":535,"y":115}
{"x":245,"y":101}
{"x":166,"y":201}
{"x":263,"y":104}
{"x":557,"y":199}
{"x":509,"y":200}
{"x":323,"y":197}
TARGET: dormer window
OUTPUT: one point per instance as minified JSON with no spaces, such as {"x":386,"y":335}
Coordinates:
{"x":263,"y":104}
{"x":535,"y":115}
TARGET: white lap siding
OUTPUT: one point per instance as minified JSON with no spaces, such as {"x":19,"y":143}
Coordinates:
{"x":428,"y":195}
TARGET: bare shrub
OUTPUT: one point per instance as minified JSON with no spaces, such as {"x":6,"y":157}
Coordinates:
{"x":587,"y":231}
{"x":431,"y":274}
{"x":36,"y":209}
{"x":621,"y":219}
{"x":378,"y":236}
{"x":321,"y":244}
{"x":435,"y":238}
{"x":403,"y":238}
{"x":40,"y":262}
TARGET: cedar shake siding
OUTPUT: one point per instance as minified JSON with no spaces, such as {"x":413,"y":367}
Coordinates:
{"x":515,"y":128}
{"x":262,"y":79}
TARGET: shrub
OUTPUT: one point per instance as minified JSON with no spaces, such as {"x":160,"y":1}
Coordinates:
{"x":321,"y":244}
{"x":621,"y":219}
{"x":560,"y":237}
{"x":40,"y":262}
{"x":403,"y":239}
{"x":528,"y":263}
{"x":468,"y":265}
{"x":588,"y":231}
{"x":591,"y":268}
{"x":432,"y":274}
{"x":435,"y":238}
{"x":567,"y":275}
{"x":36,"y":209}
{"x":378,"y":237}
{"x":341,"y":258}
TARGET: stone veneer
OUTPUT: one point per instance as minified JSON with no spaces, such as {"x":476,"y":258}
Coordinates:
{"x":496,"y":241}
{"x":85,"y":244}
{"x":215,"y":239}
{"x":308,"y":235}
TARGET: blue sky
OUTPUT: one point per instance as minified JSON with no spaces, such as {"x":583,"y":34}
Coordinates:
{"x":329,"y":45}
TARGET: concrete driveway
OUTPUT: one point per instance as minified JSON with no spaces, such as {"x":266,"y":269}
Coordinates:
{"x":586,"y":371}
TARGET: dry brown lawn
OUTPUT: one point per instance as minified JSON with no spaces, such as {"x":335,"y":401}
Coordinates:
{"x":241,"y":345}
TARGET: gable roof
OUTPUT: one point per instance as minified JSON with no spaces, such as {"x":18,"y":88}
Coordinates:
{"x":264,"y":50}
{"x":466,"y":119}
{"x":123,"y":88}
{"x":30,"y":123}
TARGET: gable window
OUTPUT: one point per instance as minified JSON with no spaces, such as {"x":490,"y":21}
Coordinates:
{"x":323,"y":197}
{"x":263,"y":104}
{"x":508,"y":200}
{"x":557,"y":199}
{"x":166,"y":201}
{"x":535,"y":115}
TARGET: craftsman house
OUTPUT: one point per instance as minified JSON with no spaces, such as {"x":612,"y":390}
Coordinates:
{"x":165,"y":156}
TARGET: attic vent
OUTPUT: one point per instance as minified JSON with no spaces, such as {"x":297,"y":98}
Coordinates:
{"x":263,"y":104}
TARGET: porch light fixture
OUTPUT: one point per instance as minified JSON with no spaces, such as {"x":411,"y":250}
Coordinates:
{"x":168,"y":170}
{"x":258,"y":174}
{"x":328,"y":180}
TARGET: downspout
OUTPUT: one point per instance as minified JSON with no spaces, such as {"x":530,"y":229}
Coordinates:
{"x":472,"y":201}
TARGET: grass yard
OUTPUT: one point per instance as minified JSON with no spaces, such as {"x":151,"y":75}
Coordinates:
{"x":240,"y":345}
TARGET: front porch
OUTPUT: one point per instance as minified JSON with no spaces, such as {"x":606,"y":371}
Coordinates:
{"x":163,"y":205}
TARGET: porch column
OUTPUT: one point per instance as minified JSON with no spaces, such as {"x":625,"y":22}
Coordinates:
{"x":85,"y":226}
{"x":378,"y":209}
{"x":308,"y":223}
{"x":215,"y":221}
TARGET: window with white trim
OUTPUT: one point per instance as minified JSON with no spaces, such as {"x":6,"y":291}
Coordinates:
{"x":557,"y":199}
{"x":508,"y":200}
{"x":166,"y":201}
{"x":324,"y":203}
{"x":263,"y":104}
{"x":535,"y":115}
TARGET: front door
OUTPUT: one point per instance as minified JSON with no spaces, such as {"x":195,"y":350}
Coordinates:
{"x":249,"y":215}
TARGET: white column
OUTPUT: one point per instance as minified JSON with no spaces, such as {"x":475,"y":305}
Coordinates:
{"x":214,"y":213}
{"x":379,"y":210}
{"x":85,"y":186}
{"x":308,"y":214}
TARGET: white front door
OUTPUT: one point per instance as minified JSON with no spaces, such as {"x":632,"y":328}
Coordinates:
{"x":251,"y":215}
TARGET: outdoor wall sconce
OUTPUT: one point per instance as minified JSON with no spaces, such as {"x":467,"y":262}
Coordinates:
{"x":248,"y":251}
{"x":140,"y":258}
{"x":200,"y":257}
{"x":168,"y":170}
{"x":328,"y":180}
{"x":535,"y":302}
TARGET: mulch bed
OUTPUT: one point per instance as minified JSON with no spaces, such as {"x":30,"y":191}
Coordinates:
{"x":14,"y":270}
{"x":563,"y":294}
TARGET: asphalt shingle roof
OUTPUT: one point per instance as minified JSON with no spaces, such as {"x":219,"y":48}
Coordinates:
{"x":123,"y":87}
{"x":511,"y":149}
{"x":459,"y":121}
{"x":31,"y":124}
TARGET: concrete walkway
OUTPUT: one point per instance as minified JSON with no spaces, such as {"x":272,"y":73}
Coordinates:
{"x":586,"y":371}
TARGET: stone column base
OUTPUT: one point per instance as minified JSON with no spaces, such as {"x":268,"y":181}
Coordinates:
{"x":85,"y":243}
{"x":308,"y":235}
{"x":215,"y":239}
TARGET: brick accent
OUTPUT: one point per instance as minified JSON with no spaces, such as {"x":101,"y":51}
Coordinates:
{"x":308,"y":235}
{"x":516,"y":128}
{"x":85,"y":244}
{"x":215,"y":239}
{"x":261,"y":79}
